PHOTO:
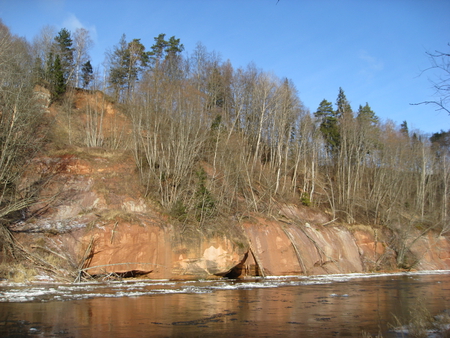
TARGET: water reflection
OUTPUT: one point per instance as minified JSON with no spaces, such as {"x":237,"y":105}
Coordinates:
{"x":294,"y":309}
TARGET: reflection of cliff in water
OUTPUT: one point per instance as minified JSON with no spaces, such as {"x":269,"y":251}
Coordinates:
{"x":316,"y":309}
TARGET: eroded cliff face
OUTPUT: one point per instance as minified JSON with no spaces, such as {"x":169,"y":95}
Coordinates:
{"x":93,"y":213}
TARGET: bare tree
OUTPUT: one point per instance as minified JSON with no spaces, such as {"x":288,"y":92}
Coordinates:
{"x":440,"y":62}
{"x":20,"y":116}
{"x":42,"y":45}
{"x":169,"y":133}
{"x":82,"y":44}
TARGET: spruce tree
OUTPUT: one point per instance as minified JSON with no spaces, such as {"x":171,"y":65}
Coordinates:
{"x":86,"y":74}
{"x":59,"y":83}
{"x":343,"y":106}
{"x":404,"y":128}
{"x":55,"y":76}
{"x":65,"y":51}
{"x":328,"y":124}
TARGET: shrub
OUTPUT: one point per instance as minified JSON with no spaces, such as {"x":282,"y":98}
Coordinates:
{"x":305,"y":199}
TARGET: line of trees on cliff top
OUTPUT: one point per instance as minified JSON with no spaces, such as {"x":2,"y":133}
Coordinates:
{"x":212,"y":140}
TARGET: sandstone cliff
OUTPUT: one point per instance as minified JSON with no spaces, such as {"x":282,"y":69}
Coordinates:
{"x":95,"y":216}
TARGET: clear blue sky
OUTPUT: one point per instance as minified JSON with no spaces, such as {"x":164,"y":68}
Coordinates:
{"x":374,"y":50}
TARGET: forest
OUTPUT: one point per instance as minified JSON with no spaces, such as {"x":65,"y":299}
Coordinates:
{"x":211,"y":141}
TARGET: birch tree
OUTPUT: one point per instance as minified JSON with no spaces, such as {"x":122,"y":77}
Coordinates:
{"x":20,"y":118}
{"x":82,"y":44}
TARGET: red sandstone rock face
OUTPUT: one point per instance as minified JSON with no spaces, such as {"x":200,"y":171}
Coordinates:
{"x":431,"y":252}
{"x":98,"y":205}
{"x":274,"y":247}
{"x":154,"y":249}
{"x":284,"y":249}
{"x":375,"y":255}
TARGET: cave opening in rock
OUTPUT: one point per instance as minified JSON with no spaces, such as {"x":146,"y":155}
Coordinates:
{"x":242,"y":269}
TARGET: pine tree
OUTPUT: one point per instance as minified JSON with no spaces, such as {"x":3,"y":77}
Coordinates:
{"x":174,"y":47}
{"x":366,"y":114}
{"x":166,"y":53}
{"x":137,"y":60}
{"x":325,"y":111}
{"x":127,"y":61}
{"x":172,"y":58}
{"x":158,"y":48}
{"x":118,"y":68}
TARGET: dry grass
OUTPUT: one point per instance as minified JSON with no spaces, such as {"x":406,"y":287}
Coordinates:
{"x":422,"y":324}
{"x":17,"y":272}
{"x":364,"y":334}
{"x":117,"y":215}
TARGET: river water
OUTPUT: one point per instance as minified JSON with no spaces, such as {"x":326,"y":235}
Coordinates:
{"x":314,"y":306}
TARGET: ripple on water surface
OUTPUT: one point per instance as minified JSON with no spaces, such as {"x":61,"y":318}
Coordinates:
{"x":11,"y":292}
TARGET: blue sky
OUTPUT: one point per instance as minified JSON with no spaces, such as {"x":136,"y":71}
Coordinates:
{"x":375,"y":50}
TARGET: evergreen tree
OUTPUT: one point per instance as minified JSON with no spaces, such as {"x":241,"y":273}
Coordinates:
{"x":404,"y":128}
{"x":137,"y":59}
{"x":118,"y":68}
{"x":172,"y":58}
{"x":206,"y":205}
{"x":127,"y":61}
{"x":174,"y":48}
{"x":343,"y":106}
{"x":86,"y":74}
{"x":55,"y":76}
{"x":166,"y":53}
{"x":442,"y":137}
{"x":64,"y":50}
{"x":366,"y":114}
{"x":328,"y":124}
{"x":59,"y":84}
{"x":158,"y":48}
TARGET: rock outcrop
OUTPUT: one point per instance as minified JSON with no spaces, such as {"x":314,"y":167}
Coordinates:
{"x":94,"y":213}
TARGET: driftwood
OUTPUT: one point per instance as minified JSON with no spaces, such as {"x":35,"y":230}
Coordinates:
{"x":88,"y":253}
{"x":83,"y":271}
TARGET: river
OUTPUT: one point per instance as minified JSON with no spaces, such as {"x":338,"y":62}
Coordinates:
{"x":292,"y":306}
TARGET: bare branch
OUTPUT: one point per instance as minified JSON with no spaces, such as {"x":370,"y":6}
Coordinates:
{"x":440,"y":61}
{"x":439,"y":104}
